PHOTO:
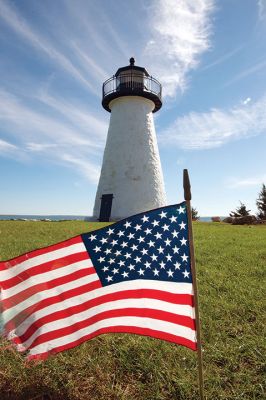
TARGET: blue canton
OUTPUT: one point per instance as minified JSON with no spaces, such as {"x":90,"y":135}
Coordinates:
{"x":152,"y":245}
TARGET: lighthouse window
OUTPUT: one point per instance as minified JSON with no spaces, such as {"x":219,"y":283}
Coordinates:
{"x":130,"y":80}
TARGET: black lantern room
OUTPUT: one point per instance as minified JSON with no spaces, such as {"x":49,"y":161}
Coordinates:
{"x":132,"y":81}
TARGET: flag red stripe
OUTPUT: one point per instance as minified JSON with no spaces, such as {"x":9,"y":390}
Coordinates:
{"x":120,"y":329}
{"x":25,"y":294}
{"x":17,"y":260}
{"x":45,"y":267}
{"x":19,"y":318}
{"x":125,"y":312}
{"x":106,"y":299}
{"x":182,"y":299}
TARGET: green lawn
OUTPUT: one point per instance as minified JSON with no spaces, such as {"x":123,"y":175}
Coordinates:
{"x":231,"y":264}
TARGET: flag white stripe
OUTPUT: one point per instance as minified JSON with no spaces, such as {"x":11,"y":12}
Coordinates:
{"x":170,"y":287}
{"x":41,"y":259}
{"x":10,"y":313}
{"x":46,"y":277}
{"x":80,"y":299}
{"x":161,"y":326}
{"x":142,"y":303}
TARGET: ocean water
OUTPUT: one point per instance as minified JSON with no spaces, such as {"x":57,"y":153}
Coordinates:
{"x":40,"y":217}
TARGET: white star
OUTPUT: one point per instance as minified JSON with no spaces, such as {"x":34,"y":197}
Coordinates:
{"x":182,"y":225}
{"x":121,"y":233}
{"x":147,"y":264}
{"x":111,"y":261}
{"x":184,"y":257}
{"x":173,"y":219}
{"x":177,"y":265}
{"x":175,"y":234}
{"x":96,"y":249}
{"x":121,"y":263}
{"x":162,"y":265}
{"x":145,"y":219}
{"x":103,"y":240}
{"x":186,"y":274}
{"x":124,"y":244}
{"x":131,"y":267}
{"x":104,"y":269}
{"x":137,"y":259}
{"x":134,"y":247}
{"x":127,"y":255}
{"x":114,"y":242}
{"x":176,"y":250}
{"x":140,"y":239}
{"x":183,"y":241}
{"x":110,"y":231}
{"x":127,"y":224}
{"x":156,"y":272}
{"x":125,"y":274}
{"x":115,"y":271}
{"x":101,"y":259}
{"x":163,"y":214}
{"x":169,"y":257}
{"x":118,"y":253}
{"x":155,"y":223}
{"x":161,"y":250}
{"x":144,"y":252}
{"x":92,"y":237}
{"x":131,"y":235}
{"x":147,"y":231}
{"x":165,"y":227}
{"x":109,"y":278}
{"x":151,"y":244}
{"x":137,"y":227}
{"x":167,"y":242}
{"x":181,"y":210}
{"x":141,"y":271}
{"x":158,"y":235}
{"x":108,"y":251}
{"x":154,"y":257}
{"x":170,"y":273}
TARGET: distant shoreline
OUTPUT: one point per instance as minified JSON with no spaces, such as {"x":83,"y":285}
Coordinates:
{"x":52,"y":218}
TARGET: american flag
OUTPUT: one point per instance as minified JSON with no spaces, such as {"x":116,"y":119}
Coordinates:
{"x":133,"y":276}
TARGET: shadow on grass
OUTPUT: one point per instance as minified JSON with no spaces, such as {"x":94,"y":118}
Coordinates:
{"x":32,"y":393}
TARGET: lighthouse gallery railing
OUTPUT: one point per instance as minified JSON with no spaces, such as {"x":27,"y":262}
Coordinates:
{"x":132,"y":82}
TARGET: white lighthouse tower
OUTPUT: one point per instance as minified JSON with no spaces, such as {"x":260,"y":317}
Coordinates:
{"x":131,"y":178}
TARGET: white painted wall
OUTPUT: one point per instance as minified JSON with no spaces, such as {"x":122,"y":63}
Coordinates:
{"x":131,"y":167}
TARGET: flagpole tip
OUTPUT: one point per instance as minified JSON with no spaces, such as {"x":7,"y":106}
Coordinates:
{"x":186,"y":185}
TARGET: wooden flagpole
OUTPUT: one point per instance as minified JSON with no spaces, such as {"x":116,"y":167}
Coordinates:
{"x":187,"y":195}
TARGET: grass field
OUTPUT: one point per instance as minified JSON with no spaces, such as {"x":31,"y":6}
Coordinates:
{"x":231,"y":264}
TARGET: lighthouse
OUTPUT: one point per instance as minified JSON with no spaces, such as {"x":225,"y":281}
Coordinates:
{"x":131,"y":179}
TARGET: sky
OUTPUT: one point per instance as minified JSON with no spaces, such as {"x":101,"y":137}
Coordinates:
{"x":210,"y":57}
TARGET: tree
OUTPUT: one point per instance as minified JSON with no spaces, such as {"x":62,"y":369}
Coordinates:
{"x":240,"y":211}
{"x":261,"y":203}
{"x":194,"y":213}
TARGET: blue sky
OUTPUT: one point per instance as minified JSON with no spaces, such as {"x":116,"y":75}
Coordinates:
{"x":210,"y":57}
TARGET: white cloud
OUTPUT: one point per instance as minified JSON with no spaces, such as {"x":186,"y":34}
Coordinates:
{"x":262,"y":9}
{"x":246,"y":101}
{"x":251,"y":181}
{"x":248,"y":71}
{"x":217,"y":127}
{"x":86,"y":168}
{"x":26,"y":32}
{"x":85,"y":130}
{"x":223,"y":58}
{"x":40,"y":147}
{"x":78,"y":143}
{"x":180,"y":33}
{"x":6,"y":146}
